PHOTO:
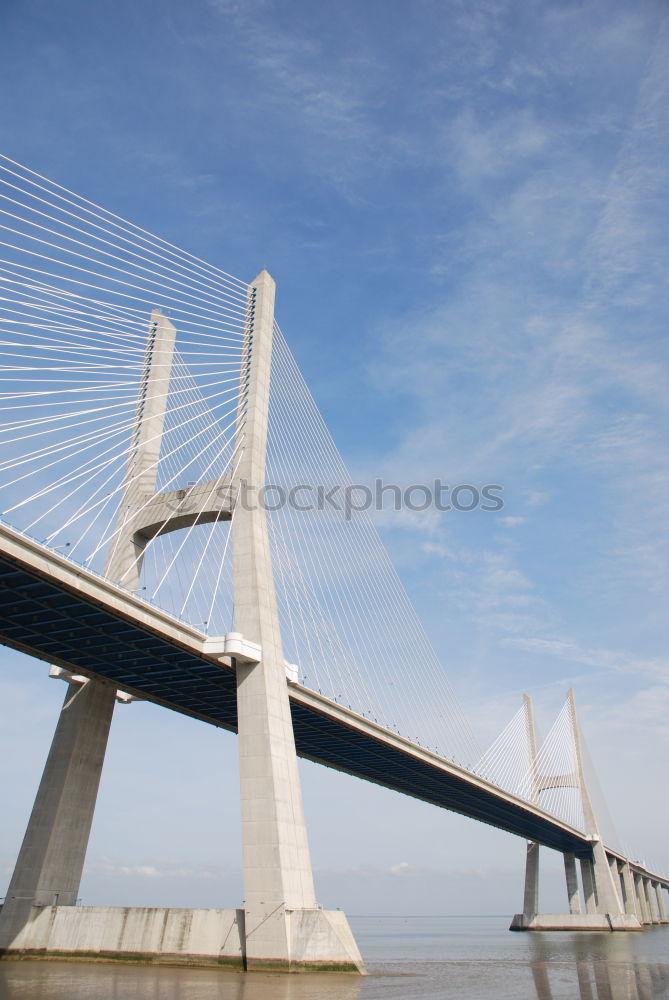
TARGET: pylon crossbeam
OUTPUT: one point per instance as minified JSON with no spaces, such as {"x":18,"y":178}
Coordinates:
{"x":546,"y":781}
{"x":204,"y":503}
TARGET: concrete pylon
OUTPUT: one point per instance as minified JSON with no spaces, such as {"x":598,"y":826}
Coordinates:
{"x":651,"y":901}
{"x":629,"y":891}
{"x":661,"y":908}
{"x":588,"y":879}
{"x":124,"y":561}
{"x":607,"y":894}
{"x":642,"y":901}
{"x":284,"y":928}
{"x":602,"y":888}
{"x":50,"y":862}
{"x":571,"y":878}
{"x":531,"y":893}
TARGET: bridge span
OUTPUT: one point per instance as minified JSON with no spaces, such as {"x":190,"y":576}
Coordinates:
{"x":62,"y":613}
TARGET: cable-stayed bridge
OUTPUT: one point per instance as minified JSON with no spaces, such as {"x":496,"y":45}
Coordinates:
{"x":177,"y":526}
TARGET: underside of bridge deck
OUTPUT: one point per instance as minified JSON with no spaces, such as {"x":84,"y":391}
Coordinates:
{"x":60,"y":625}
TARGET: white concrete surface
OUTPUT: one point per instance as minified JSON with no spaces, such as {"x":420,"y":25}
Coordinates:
{"x":149,"y":934}
{"x":50,"y":862}
{"x":572,"y":883}
{"x":576,"y":922}
{"x":184,"y":937}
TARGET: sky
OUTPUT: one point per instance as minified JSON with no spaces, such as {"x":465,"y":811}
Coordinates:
{"x":464,"y":206}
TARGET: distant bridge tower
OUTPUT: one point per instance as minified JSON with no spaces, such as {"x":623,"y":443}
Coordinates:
{"x":531,"y":894}
{"x":281,"y":925}
{"x":611,"y":902}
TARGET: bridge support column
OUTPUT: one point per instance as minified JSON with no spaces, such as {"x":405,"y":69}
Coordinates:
{"x":631,"y":904}
{"x":531,"y":894}
{"x":650,"y":901}
{"x":572,"y":882}
{"x":661,"y":908}
{"x":641,"y":899}
{"x":615,"y":876}
{"x":51,"y":859}
{"x":607,"y":893}
{"x":588,"y":879}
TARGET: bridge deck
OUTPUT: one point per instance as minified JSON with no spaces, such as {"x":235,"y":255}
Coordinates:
{"x":54,"y":610}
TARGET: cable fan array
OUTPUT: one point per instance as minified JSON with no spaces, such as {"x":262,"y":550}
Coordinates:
{"x":77,"y":289}
{"x":509,"y":760}
{"x":346,"y":619}
{"x":607,"y":827}
{"x":549,"y":777}
{"x":81,"y":295}
{"x":554,"y":775}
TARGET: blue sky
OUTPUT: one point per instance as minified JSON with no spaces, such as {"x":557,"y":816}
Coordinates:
{"x":464,"y":207}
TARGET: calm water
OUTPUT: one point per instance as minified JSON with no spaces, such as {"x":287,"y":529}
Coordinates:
{"x":408,"y":958}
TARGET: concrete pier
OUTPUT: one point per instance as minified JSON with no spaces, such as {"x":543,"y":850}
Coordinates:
{"x":151,"y":936}
{"x":531,"y":894}
{"x":607,"y":895}
{"x":588,"y":879}
{"x":642,"y":900}
{"x":571,"y":878}
{"x":51,"y":859}
{"x":650,"y":901}
{"x":137,"y":934}
{"x":631,"y":905}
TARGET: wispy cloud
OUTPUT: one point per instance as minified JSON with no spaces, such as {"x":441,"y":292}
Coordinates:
{"x":168,"y":869}
{"x":603,"y":659}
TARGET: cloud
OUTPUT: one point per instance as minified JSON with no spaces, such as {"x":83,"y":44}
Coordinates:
{"x":402,"y":868}
{"x":623,"y":249}
{"x":172,"y":869}
{"x":603,"y":659}
{"x":485,"y":150}
{"x":327,"y":96}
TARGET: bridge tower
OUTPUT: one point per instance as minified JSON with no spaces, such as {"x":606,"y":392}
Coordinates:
{"x":531,"y":894}
{"x":610,"y":902}
{"x":51,"y":859}
{"x":284,"y":926}
{"x":280,"y":926}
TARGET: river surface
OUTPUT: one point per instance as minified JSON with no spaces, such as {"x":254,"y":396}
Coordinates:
{"x":408,"y":958}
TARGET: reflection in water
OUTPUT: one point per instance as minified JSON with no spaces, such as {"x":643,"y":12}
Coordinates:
{"x":414,"y":958}
{"x":80,"y":981}
{"x":601,"y":981}
{"x":589,"y":978}
{"x":605,"y":970}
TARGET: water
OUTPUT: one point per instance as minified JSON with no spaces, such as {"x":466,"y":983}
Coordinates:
{"x":408,"y":958}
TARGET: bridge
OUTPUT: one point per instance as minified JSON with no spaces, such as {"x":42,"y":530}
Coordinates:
{"x":173,"y":530}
